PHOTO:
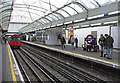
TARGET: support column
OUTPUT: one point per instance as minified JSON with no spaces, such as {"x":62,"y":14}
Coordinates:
{"x":0,"y":58}
{"x":119,"y":36}
{"x":119,"y":33}
{"x":119,"y":26}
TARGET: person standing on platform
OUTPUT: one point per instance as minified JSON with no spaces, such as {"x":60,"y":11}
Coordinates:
{"x":101,"y":43}
{"x":76,"y":42}
{"x":3,"y":39}
{"x":105,"y":46}
{"x":72,"y":42}
{"x":63,"y":41}
{"x":109,"y":44}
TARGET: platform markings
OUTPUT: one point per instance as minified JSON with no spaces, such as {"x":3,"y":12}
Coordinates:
{"x":84,"y":56}
{"x":11,"y":66}
{"x":16,"y":68}
{"x":116,"y":50}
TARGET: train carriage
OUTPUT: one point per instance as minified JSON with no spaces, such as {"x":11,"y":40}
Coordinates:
{"x":15,"y":41}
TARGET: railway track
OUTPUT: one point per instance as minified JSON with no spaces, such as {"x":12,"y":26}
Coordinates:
{"x":60,"y":71}
{"x":33,"y":71}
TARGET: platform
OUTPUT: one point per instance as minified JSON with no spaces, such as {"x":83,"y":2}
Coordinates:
{"x":78,"y":52}
{"x":9,"y":70}
{"x":5,"y":65}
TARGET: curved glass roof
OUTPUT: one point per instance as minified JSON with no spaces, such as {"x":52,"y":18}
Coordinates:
{"x":46,"y":11}
{"x":34,"y":9}
{"x":5,"y":13}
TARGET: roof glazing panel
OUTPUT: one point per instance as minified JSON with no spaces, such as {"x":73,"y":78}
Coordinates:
{"x":47,"y":10}
{"x":5,"y":13}
{"x":39,"y":8}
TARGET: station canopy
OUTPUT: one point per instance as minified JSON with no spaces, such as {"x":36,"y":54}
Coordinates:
{"x":44,"y":11}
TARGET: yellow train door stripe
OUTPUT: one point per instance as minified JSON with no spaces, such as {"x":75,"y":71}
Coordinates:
{"x":11,"y":66}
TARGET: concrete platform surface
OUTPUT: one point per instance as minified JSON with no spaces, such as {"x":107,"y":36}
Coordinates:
{"x":9,"y":70}
{"x":93,"y":56}
{"x":6,"y":70}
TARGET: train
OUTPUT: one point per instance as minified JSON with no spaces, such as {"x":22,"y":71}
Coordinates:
{"x":15,"y":41}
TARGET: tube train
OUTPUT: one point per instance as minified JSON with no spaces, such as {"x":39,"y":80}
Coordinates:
{"x":14,"y":41}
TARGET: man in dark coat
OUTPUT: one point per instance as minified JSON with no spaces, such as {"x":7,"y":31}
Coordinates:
{"x":109,"y":44}
{"x":76,"y":42}
{"x":63,"y":41}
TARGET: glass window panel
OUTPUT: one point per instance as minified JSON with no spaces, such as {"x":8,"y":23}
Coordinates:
{"x":37,"y":23}
{"x":63,"y":13}
{"x":77,"y":8}
{"x":112,"y":0}
{"x":44,"y":21}
{"x":57,"y":15}
{"x":5,"y":8}
{"x":5,"y":14}
{"x":104,"y":2}
{"x":5,"y":0}
{"x":49,"y":18}
{"x":2,"y":17}
{"x":90,"y":4}
{"x":70,"y":11}
{"x":5,"y":19}
{"x":5,"y":23}
{"x":53,"y":17}
{"x":6,"y":3}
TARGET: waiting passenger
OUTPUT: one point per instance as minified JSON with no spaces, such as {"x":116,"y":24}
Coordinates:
{"x":72,"y":42}
{"x":101,"y":43}
{"x":105,"y":46}
{"x":109,"y":45}
{"x":63,"y":41}
{"x":90,"y":46}
{"x":76,"y":42}
{"x":3,"y":39}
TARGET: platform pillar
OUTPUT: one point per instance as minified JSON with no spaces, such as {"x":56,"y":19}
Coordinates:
{"x":119,"y":26}
{"x":0,"y":58}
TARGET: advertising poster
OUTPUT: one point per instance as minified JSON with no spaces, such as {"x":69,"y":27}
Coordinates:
{"x":70,"y":32}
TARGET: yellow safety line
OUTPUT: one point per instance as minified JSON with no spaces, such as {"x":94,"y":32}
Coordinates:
{"x":11,"y":66}
{"x":83,"y":55}
{"x":77,"y":54}
{"x":93,"y":58}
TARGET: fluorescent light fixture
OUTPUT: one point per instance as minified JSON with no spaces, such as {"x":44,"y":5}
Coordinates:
{"x":48,"y":27}
{"x":92,"y":17}
{"x":59,"y":24}
{"x":43,"y":27}
{"x":69,"y":27}
{"x":53,"y":25}
{"x":76,"y":27}
{"x":79,"y":20}
{"x":115,"y":12}
{"x":95,"y":24}
{"x":68,"y":22}
{"x":84,"y":25}
{"x":111,"y":22}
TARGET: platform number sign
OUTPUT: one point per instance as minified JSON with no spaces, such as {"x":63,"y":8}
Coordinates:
{"x":88,"y":38}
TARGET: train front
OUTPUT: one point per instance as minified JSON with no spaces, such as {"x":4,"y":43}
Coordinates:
{"x":15,"y":41}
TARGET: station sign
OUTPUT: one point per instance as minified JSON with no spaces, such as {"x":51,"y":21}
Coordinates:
{"x":88,"y":38}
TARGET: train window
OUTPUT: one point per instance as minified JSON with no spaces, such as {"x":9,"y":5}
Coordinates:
{"x":14,"y":38}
